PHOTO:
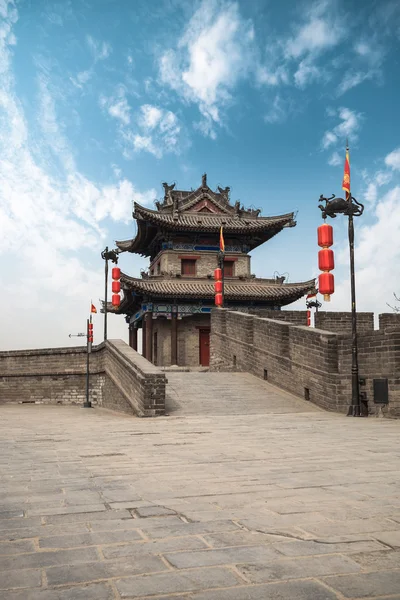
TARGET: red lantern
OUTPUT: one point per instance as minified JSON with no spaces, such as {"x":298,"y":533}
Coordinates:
{"x":326,"y":285}
{"x":218,"y":274}
{"x":325,"y":235}
{"x":218,"y":299}
{"x":326,"y":260}
{"x":218,"y":287}
{"x":116,"y":273}
{"x":116,"y":287}
{"x":116,"y":300}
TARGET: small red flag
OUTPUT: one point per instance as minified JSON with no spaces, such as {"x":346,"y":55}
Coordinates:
{"x":93,"y":309}
{"x":346,"y":176}
{"x":221,"y":241}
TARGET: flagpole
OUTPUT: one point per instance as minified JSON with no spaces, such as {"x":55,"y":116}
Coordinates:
{"x":87,"y":403}
{"x":355,"y":407}
{"x":354,"y":209}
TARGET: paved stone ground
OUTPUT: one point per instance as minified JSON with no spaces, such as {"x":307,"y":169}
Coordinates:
{"x":263,"y":502}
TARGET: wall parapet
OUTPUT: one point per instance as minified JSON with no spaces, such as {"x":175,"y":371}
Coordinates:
{"x":120,"y":378}
{"x":312,"y":363}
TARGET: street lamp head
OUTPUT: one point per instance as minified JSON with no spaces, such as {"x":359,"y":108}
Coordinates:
{"x":336,"y":206}
{"x":110,"y":255}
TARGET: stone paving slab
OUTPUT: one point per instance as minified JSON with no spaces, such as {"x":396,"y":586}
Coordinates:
{"x":270,"y":503}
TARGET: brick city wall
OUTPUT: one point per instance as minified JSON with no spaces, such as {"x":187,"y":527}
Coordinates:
{"x":340,"y":322}
{"x":120,"y":379}
{"x":309,"y":362}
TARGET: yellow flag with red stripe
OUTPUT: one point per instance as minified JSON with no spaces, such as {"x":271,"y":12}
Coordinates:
{"x":346,"y":176}
{"x":221,"y":241}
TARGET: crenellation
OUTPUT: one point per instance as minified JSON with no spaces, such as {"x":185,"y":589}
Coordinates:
{"x":296,"y":357}
{"x":120,"y":379}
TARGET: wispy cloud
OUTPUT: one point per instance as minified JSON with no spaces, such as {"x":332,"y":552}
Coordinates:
{"x":100,"y":50}
{"x":277,"y":112}
{"x":335,"y":159}
{"x":159,"y":131}
{"x":117,"y":105}
{"x":378,"y":257}
{"x":350,"y":123}
{"x":366,"y":64}
{"x":48,"y":222}
{"x":393,"y":159}
{"x":210,"y":58}
{"x":380,"y":178}
{"x":321,"y":30}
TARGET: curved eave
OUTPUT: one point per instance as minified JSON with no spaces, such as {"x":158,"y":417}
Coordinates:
{"x":212,"y":222}
{"x":140,"y":243}
{"x":204,"y":290}
{"x":261,"y":229}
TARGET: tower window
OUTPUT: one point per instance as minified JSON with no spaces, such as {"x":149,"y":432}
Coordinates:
{"x":228,"y":268}
{"x":188,"y":266}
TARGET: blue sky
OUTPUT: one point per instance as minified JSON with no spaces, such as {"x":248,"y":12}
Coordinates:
{"x":102,"y":100}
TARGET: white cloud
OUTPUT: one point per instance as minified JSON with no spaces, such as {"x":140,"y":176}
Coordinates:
{"x":273,"y":76}
{"x":328,"y":139}
{"x":352,"y":79}
{"x":100,"y":50}
{"x":335,"y":160}
{"x":377,"y":253}
{"x":278,"y":111}
{"x":367,"y":63}
{"x":150,"y":117}
{"x":120,"y":110}
{"x":393,"y":159}
{"x":117,"y":106}
{"x":82,"y":78}
{"x":350,"y":123}
{"x":159,"y":131}
{"x":52,"y":226}
{"x":51,"y":126}
{"x":320,"y":31}
{"x":379,"y":179}
{"x":306,"y":73}
{"x":210,"y":58}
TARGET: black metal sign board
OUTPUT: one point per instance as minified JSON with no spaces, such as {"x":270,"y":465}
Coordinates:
{"x":381,"y":391}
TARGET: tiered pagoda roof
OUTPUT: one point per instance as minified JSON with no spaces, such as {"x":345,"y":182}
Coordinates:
{"x":192,"y":214}
{"x":201,"y":210}
{"x":252,"y":290}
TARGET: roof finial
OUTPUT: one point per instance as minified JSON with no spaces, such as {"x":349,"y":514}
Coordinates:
{"x":204,"y":180}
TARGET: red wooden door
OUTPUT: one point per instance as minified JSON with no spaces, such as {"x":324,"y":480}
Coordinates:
{"x":204,"y":347}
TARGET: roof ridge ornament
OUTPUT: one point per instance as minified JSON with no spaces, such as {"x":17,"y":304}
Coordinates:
{"x":204,"y":180}
{"x":224,"y":192}
{"x":168,"y":189}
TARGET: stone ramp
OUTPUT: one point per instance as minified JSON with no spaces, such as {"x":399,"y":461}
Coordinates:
{"x":194,"y":393}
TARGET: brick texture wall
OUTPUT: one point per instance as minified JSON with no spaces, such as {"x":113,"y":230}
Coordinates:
{"x":306,"y":361}
{"x":205,"y":265}
{"x":340,"y":322}
{"x":120,"y":379}
{"x":188,"y":340}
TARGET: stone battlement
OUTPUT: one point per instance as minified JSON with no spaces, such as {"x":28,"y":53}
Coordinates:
{"x":313,"y":363}
{"x":120,"y":378}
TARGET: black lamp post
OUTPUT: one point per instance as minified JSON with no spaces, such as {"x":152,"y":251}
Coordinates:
{"x":107,"y":255}
{"x":333,"y":207}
